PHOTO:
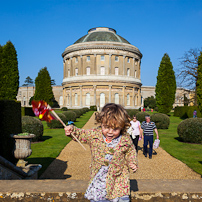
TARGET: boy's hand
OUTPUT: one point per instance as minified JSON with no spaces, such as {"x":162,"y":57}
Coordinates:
{"x":68,"y":130}
{"x":133,"y":167}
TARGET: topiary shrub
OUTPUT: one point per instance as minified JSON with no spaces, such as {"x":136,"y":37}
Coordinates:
{"x":190,"y":130}
{"x":77,"y":111}
{"x":132,"y":112}
{"x":93,"y":108}
{"x":33,"y":126}
{"x":191,"y":110}
{"x":86,"y":109}
{"x":64,"y":109}
{"x":55,"y":123}
{"x":70,"y":115}
{"x":141,"y":116}
{"x":161,"y":120}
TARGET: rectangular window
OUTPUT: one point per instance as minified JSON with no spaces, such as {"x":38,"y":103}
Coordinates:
{"x":76,"y":72}
{"x":102,"y":70}
{"x":102,"y":58}
{"x":116,"y":58}
{"x":76,"y":59}
{"x":128,"y":72}
{"x":88,"y":71}
{"x":116,"y":71}
{"x":136,"y":60}
{"x":88,"y":58}
{"x":128,"y":60}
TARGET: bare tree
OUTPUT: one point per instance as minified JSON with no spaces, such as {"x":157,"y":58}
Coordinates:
{"x":187,"y":75}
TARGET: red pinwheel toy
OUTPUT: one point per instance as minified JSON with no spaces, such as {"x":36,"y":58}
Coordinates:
{"x":42,"y":110}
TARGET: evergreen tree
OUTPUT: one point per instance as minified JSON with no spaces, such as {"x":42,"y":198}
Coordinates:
{"x":150,"y":102}
{"x":43,"y":89}
{"x":165,"y":86}
{"x":199,"y":83}
{"x":28,"y":82}
{"x":9,"y":79}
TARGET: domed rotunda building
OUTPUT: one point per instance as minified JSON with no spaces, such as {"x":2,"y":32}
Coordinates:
{"x":99,"y":68}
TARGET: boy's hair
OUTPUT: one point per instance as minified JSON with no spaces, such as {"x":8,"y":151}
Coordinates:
{"x":114,"y":116}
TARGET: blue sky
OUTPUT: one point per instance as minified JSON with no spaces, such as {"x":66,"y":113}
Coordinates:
{"x":41,"y":30}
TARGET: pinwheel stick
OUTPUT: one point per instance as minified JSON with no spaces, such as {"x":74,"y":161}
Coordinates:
{"x":59,"y":119}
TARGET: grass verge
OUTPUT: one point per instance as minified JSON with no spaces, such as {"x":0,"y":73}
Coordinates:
{"x":188,"y":153}
{"x":54,"y":140}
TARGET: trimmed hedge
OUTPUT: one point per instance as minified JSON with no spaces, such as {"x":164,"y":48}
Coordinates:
{"x":27,"y":111}
{"x":186,"y":112}
{"x":161,"y":120}
{"x":64,"y":109}
{"x":141,"y":116}
{"x":55,"y":123}
{"x":181,"y":112}
{"x":190,"y":130}
{"x":33,"y":126}
{"x":10,"y":120}
{"x":132,"y":112}
{"x":70,"y":115}
{"x":191,"y":110}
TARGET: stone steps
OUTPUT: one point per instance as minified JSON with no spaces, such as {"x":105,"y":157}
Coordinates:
{"x":73,"y":190}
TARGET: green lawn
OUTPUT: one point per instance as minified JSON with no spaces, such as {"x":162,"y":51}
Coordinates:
{"x":190,"y":154}
{"x":54,"y":140}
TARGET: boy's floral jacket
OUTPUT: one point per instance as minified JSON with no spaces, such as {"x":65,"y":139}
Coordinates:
{"x":117,"y":181}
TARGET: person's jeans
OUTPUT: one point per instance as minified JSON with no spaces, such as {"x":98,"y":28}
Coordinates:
{"x":148,"y":138}
{"x":135,"y":142}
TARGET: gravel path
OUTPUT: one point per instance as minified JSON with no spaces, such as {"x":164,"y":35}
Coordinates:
{"x":73,"y":162}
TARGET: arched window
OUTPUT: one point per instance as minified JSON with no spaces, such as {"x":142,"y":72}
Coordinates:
{"x":76,"y":99}
{"x":87,"y":99}
{"x":116,"y":98}
{"x":116,"y":71}
{"x":128,"y":99}
{"x":128,"y":72}
{"x":102,"y":100}
{"x":102,"y":70}
{"x":76,"y":72}
{"x":87,"y":70}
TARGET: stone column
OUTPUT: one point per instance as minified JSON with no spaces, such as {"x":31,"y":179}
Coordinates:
{"x":124,"y":95}
{"x":133,"y":94}
{"x":81,"y":104}
{"x":133,"y":67}
{"x":70,"y":101}
{"x":94,"y":86}
{"x":110,"y":68}
{"x":81,"y":65}
{"x":110,"y":89}
{"x":95,"y":64}
{"x":71,"y":70}
{"x":64,"y":69}
{"x":139,"y":98}
{"x":124,"y":65}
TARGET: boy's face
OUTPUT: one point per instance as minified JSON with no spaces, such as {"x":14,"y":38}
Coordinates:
{"x":110,"y":133}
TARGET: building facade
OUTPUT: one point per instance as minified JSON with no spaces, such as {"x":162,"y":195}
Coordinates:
{"x":99,"y":68}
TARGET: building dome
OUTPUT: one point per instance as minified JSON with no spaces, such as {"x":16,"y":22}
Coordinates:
{"x":102,"y":34}
{"x":99,"y":68}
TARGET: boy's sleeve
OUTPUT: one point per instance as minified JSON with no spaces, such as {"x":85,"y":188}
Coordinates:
{"x":81,"y":134}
